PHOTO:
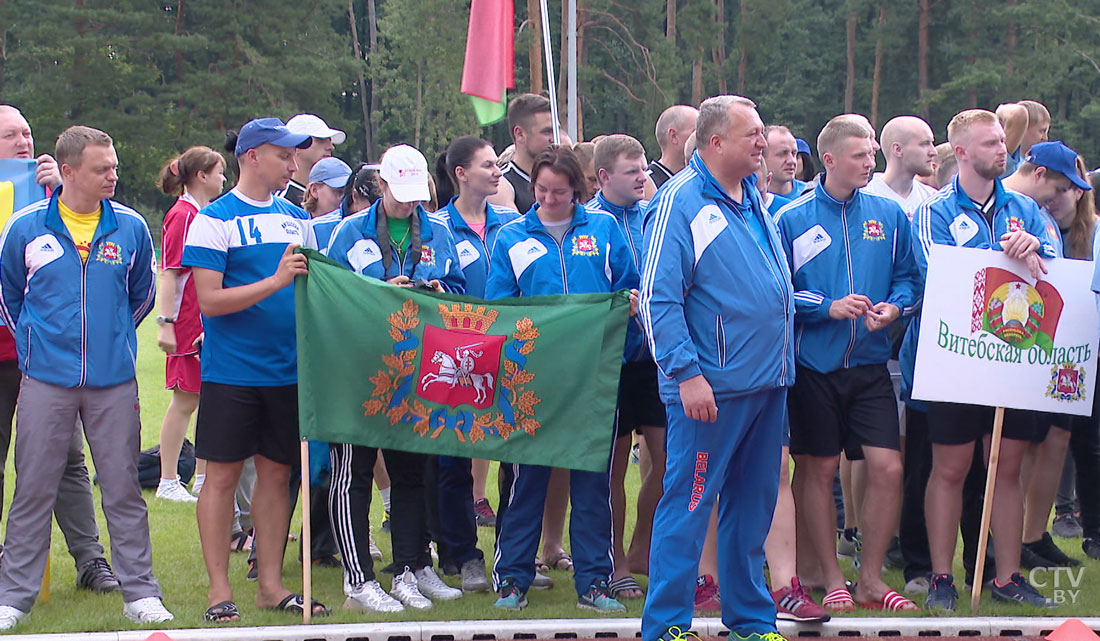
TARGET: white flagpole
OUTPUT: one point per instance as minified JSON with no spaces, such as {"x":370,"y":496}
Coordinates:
{"x":571,"y":73}
{"x":550,"y":80}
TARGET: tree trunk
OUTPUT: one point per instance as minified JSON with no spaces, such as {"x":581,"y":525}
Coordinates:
{"x":368,"y":139}
{"x":876,"y":82}
{"x":975,"y":17}
{"x":719,"y":50}
{"x":697,"y":81}
{"x":923,"y":19}
{"x":534,"y":48}
{"x":372,"y":40}
{"x":850,"y":77}
{"x":670,"y":21}
{"x":76,"y":80}
{"x":563,"y":59}
{"x":743,"y":60}
{"x":582,"y":18}
{"x":1010,"y":43}
{"x":181,"y":8}
{"x":419,"y":111}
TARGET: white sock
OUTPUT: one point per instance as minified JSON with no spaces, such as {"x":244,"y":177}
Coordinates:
{"x":385,"y":498}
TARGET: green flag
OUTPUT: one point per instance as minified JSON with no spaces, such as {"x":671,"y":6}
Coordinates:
{"x":522,"y":380}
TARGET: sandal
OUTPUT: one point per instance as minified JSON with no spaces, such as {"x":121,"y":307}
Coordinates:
{"x":839,"y":600}
{"x":223,"y":612}
{"x":626,"y":584}
{"x":561,"y":561}
{"x":891,"y":602}
{"x":240,"y":541}
{"x":293,"y":604}
{"x":540,"y":566}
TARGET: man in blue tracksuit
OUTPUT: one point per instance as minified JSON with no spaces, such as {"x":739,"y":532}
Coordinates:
{"x":853,"y":274}
{"x":77,"y":275}
{"x":717,"y":304}
{"x":558,"y":247}
{"x":975,"y":210}
{"x":621,"y":171}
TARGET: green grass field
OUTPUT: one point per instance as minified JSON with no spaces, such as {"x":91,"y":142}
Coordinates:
{"x":179,"y":567}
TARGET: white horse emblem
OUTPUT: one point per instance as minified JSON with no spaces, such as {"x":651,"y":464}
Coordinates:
{"x":459,"y":370}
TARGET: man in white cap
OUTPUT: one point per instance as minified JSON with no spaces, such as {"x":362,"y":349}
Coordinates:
{"x":325,"y":139}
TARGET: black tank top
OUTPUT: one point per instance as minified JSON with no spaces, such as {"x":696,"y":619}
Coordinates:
{"x":521,"y":184}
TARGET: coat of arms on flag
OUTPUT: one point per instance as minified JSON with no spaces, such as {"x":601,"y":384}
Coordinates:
{"x":522,"y":380}
{"x":1015,"y":311}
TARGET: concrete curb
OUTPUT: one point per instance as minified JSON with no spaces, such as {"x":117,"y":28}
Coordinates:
{"x":498,"y":630}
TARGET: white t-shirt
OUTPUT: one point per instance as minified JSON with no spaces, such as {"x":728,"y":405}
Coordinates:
{"x":917,"y":195}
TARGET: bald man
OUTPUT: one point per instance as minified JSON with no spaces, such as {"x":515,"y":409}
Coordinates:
{"x":781,"y":157}
{"x":910,"y":149}
{"x":673,"y":128}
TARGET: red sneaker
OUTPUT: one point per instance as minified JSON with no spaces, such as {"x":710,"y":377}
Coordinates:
{"x":707,"y":599}
{"x":794,"y":603}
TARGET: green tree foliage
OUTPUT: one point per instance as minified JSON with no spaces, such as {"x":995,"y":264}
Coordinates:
{"x":160,"y":76}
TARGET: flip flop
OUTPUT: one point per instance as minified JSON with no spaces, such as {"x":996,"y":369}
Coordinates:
{"x":625,"y":584}
{"x":540,"y":566}
{"x":891,"y":602}
{"x":240,"y":541}
{"x":561,"y":561}
{"x":293,"y":603}
{"x":839,"y":600}
{"x":223,"y":612}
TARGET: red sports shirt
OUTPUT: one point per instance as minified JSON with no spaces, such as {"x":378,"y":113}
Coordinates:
{"x":188,"y":323}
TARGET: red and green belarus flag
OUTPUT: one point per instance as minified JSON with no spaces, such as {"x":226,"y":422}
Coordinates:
{"x":489,"y":69}
{"x":531,"y":380}
{"x":1015,"y":311}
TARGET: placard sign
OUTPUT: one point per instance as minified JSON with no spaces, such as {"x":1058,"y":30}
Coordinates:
{"x":992,"y":335}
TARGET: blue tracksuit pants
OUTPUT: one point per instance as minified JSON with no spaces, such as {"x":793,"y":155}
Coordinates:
{"x":589,"y":527}
{"x":737,"y":458}
{"x":458,"y":526}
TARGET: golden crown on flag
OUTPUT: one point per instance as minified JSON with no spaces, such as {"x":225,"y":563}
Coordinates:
{"x":464,"y":316}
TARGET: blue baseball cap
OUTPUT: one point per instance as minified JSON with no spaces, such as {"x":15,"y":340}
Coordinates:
{"x":332,"y":171}
{"x":802,"y":146}
{"x":262,"y":131}
{"x":1055,"y":156}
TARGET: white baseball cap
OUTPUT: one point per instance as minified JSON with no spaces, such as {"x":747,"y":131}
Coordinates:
{"x":405,"y":170}
{"x":314,"y":126}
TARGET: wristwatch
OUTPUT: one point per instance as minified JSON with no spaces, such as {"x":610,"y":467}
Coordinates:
{"x":165,"y":320}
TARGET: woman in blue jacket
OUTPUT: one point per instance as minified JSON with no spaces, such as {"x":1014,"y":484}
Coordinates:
{"x":466,"y":174}
{"x":393,"y":240}
{"x":558,"y":247}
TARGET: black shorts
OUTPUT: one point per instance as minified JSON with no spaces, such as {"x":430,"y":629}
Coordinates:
{"x":843,"y":410}
{"x":958,"y":423}
{"x":1045,"y":420}
{"x":639,"y":399}
{"x":236,"y":422}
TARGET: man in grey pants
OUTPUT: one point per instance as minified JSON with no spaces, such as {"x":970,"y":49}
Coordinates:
{"x":77,"y":275}
{"x":75,"y":509}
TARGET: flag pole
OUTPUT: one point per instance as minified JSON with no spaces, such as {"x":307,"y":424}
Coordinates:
{"x":572,"y":122}
{"x":987,"y":507}
{"x":307,"y":562}
{"x":550,"y":82}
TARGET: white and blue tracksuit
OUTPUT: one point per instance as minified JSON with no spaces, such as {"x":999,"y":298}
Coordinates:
{"x":354,"y":244}
{"x":527,"y":260}
{"x":716,"y":300}
{"x":75,"y":323}
{"x":630,"y":223}
{"x":455,"y":480}
{"x":951,"y":218}
{"x":324,"y":225}
{"x":862,"y":245}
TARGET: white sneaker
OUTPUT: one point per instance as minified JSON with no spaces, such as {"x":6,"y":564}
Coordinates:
{"x":10,"y":617}
{"x":148,"y":610}
{"x":370,"y":597}
{"x":173,"y":490}
{"x":375,"y":553}
{"x":405,"y":590}
{"x":196,"y":486}
{"x":433,"y":587}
